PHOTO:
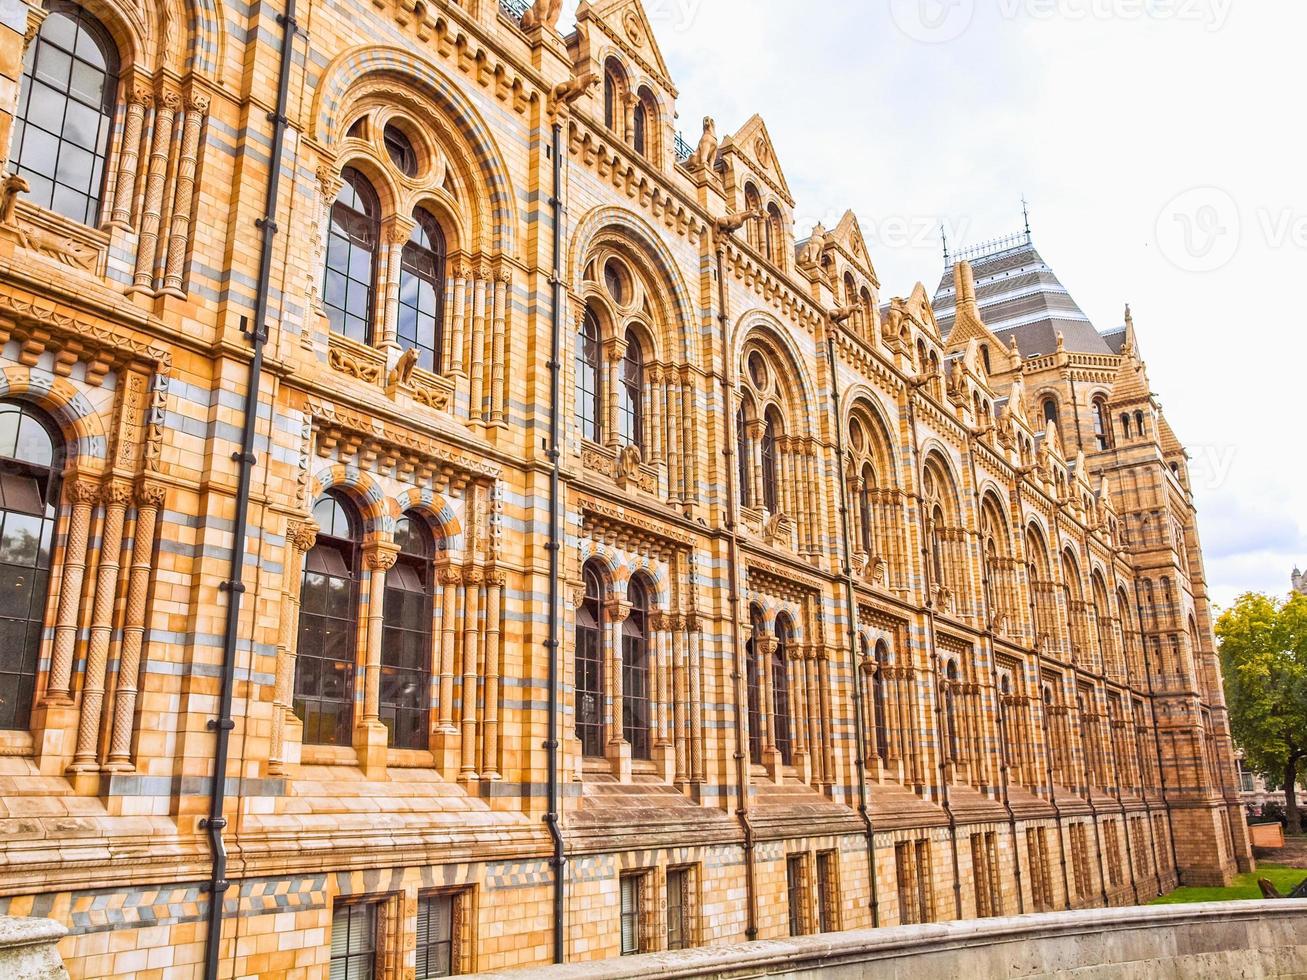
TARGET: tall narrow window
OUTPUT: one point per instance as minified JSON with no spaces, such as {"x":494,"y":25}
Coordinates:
{"x":796,"y":890}
{"x":780,"y":686}
{"x":1139,"y":424}
{"x":613,"y":91}
{"x":351,"y":276}
{"x":678,"y":904}
{"x":436,"y":952}
{"x":1125,"y":424}
{"x":422,"y":290}
{"x":65,"y":112}
{"x":641,"y":123}
{"x":754,"y":229}
{"x":937,"y":544}
{"x":742,"y":458}
{"x":950,"y":711}
{"x":865,"y":510}
{"x":589,"y":361}
{"x":631,"y":886}
{"x":630,"y":412}
{"x":590,"y":666}
{"x":769,"y":488}
{"x":30,"y":462}
{"x":775,"y":234}
{"x":325,"y":661}
{"x":828,"y":892}
{"x":354,"y":942}
{"x":879,"y":701}
{"x":636,"y":705}
{"x":1050,"y":412}
{"x":406,"y":638}
{"x":753,"y":678}
{"x":1102,"y":428}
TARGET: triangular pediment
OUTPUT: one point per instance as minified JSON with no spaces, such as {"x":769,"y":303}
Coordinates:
{"x":754,"y":146}
{"x":848,"y":235}
{"x":626,"y":25}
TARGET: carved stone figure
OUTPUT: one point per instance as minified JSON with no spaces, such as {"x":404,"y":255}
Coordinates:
{"x":10,"y":188}
{"x":706,"y":152}
{"x":402,"y":373}
{"x":542,"y":13}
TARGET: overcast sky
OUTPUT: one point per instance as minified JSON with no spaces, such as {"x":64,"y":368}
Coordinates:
{"x":1161,"y":144}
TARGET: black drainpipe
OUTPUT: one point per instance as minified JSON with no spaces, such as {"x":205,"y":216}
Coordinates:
{"x":860,"y":753}
{"x":733,"y":570}
{"x":245,"y":460}
{"x":558,"y":861}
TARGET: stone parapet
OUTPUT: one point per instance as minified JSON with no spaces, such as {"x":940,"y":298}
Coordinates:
{"x":27,"y":949}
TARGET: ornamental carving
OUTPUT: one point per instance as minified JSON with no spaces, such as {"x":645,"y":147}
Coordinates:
{"x":354,"y":366}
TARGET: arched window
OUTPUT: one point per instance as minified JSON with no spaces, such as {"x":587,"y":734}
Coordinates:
{"x":422,"y":290}
{"x":352,"y":257}
{"x":769,"y":486}
{"x":775,"y":234}
{"x":406,"y":637}
{"x":743,"y":462}
{"x":752,"y":202}
{"x":637,"y":708}
{"x":614,"y":89}
{"x":937,"y":544}
{"x":868,"y":482}
{"x":1102,"y":428}
{"x":1051,"y":414}
{"x":641,"y":124}
{"x":65,"y":113}
{"x":984,"y":359}
{"x":1125,"y":425}
{"x":589,"y":378}
{"x":327,"y":652}
{"x":589,"y":679}
{"x":753,"y":679}
{"x":1004,"y":692}
{"x":879,"y":701}
{"x":1139,"y":424}
{"x":400,"y":150}
{"x":780,"y":689}
{"x":950,"y":711}
{"x":30,"y":464}
{"x":630,"y":412}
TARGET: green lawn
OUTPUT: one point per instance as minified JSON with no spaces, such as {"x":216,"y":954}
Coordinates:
{"x":1245,"y":886}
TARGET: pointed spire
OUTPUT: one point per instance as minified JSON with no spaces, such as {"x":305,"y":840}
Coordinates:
{"x":966,"y":283}
{"x":1025,"y":214}
{"x":943,"y":237}
{"x":1129,"y":347}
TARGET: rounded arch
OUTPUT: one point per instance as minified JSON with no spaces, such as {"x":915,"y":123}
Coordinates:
{"x":862,"y":406}
{"x":994,"y":523}
{"x":1071,"y":574}
{"x":938,"y":469}
{"x":436,"y":509}
{"x":1037,"y":552}
{"x":364,"y":492}
{"x":358,"y":71}
{"x":793,"y":381}
{"x":629,"y":233}
{"x":86,"y":444}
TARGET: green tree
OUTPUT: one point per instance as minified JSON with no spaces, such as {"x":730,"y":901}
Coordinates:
{"x":1264,"y":660}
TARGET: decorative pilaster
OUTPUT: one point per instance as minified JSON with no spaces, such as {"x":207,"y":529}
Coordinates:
{"x":370,"y":735}
{"x":499,"y":344}
{"x":83,"y":494}
{"x":481,"y":297}
{"x":149,"y":499}
{"x":615,"y":353}
{"x":453,"y":352}
{"x":179,"y":234}
{"x":152,"y":212}
{"x":472,"y":579}
{"x":495,"y":579}
{"x":115,"y":496}
{"x":139,"y":102}
{"x":618,"y":750}
{"x":394,"y":236}
{"x":451,"y":579}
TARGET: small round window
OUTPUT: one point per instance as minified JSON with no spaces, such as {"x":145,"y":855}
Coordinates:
{"x":758,"y":370}
{"x":401,"y":151}
{"x":615,"y":281}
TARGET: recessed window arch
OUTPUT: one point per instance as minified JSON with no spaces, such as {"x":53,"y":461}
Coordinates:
{"x":984,"y":359}
{"x":1102,"y":427}
{"x":400,"y":149}
{"x":406,"y":645}
{"x":31,"y":459}
{"x":328,"y":641}
{"x":614,"y":95}
{"x":61,"y":131}
{"x":1139,"y":424}
{"x":1051,"y":413}
{"x":350,"y":281}
{"x":753,"y":202}
{"x":589,"y":665}
{"x":952,"y":678}
{"x":637,"y":704}
{"x":1125,"y":425}
{"x":589,"y":377}
{"x":775,"y":234}
{"x":753,"y":685}
{"x":422,"y":290}
{"x":743,"y":464}
{"x":770,"y":485}
{"x":630,"y":396}
{"x":645,"y":124}
{"x":879,"y":700}
{"x":866,"y":487}
{"x":780,"y":686}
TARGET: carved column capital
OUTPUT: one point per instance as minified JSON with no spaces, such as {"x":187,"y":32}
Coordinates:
{"x":473,"y":575}
{"x":381,"y":555}
{"x":150,"y":494}
{"x":303,"y":535}
{"x":83,"y":491}
{"x":450,"y":575}
{"x":398,"y":229}
{"x":116,"y":493}
{"x":616,"y":611}
{"x":765,"y":645}
{"x":197,"y":102}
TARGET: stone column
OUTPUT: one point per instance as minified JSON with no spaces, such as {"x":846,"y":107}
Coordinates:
{"x":657,"y":421}
{"x":371,"y":739}
{"x":675,"y":454}
{"x":394,"y":237}
{"x":764,"y":647}
{"x":301,"y":536}
{"x":495,"y":580}
{"x":116,"y":496}
{"x":695,"y":630}
{"x":681,"y":699}
{"x":661,"y":642}
{"x":689,"y":463}
{"x":83,"y":494}
{"x":179,"y":233}
{"x":814,"y":713}
{"x":619,"y":749}
{"x":452,"y":356}
{"x":614,"y":353}
{"x":499,"y":343}
{"x":152,"y":213}
{"x":482,"y":298}
{"x":755,"y":429}
{"x":472,"y":579}
{"x":448,"y":756}
{"x":149,"y":499}
{"x":139,"y":102}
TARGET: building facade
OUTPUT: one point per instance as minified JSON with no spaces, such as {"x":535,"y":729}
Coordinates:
{"x":583,"y":512}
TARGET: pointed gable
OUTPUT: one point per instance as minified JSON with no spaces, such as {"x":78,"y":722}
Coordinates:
{"x":848,"y":237}
{"x":624,"y":24}
{"x":968,"y":327}
{"x":754,"y":148}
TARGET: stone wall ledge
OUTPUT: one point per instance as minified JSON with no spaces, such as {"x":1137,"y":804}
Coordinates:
{"x":27,"y":949}
{"x":1193,"y":942}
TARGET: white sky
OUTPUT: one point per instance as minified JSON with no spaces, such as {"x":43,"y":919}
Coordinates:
{"x":1163,"y":149}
